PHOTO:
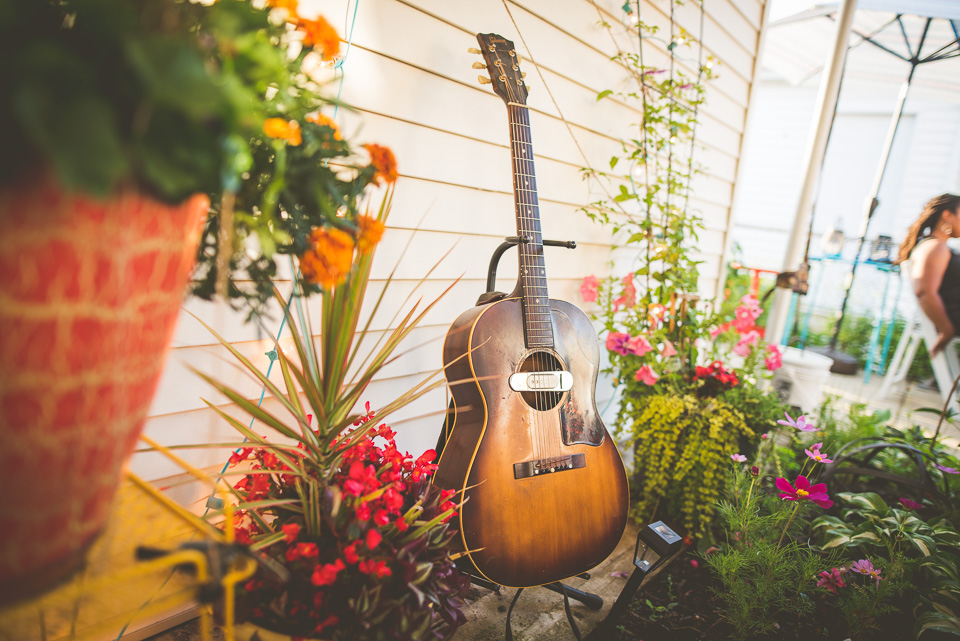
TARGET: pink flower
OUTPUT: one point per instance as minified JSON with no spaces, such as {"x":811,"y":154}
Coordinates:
{"x":816,"y":454}
{"x":774,"y":360}
{"x":589,"y":288}
{"x":668,"y":350}
{"x":910,"y":505}
{"x":764,"y":436}
{"x":801,"y":423}
{"x":865,"y":567}
{"x":831,"y":580}
{"x":694,"y":563}
{"x":948,"y":470}
{"x":629,"y":296}
{"x":639,"y":345}
{"x":804,"y":491}
{"x":738,"y":458}
{"x":646,"y":375}
{"x":617,"y":342}
{"x":742,"y":348}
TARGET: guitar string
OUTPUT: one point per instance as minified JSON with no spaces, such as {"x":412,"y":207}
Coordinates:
{"x":534,"y":296}
{"x":534,"y":433}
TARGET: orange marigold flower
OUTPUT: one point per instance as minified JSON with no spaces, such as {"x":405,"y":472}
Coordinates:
{"x":369,"y":232}
{"x":320,"y":35}
{"x":289,"y":5}
{"x":284,"y":130}
{"x":325,"y":121}
{"x":328,"y":262}
{"x":383,"y":161}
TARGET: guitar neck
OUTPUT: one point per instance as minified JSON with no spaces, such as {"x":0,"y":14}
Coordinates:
{"x":533,"y":275}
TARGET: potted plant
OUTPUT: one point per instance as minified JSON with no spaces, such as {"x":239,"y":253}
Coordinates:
{"x":354,"y":541}
{"x":124,"y":120}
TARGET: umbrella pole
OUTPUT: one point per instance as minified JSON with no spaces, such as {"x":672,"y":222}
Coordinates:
{"x":872,"y":201}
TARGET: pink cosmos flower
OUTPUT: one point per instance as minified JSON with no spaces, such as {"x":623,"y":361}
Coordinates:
{"x":629,"y":296}
{"x":617,"y":342}
{"x":910,"y":505}
{"x":801,"y":422}
{"x":948,"y":470}
{"x":816,"y":454}
{"x":804,"y":491}
{"x":738,"y":458}
{"x":831,"y":580}
{"x":589,"y":288}
{"x":668,"y":350}
{"x":646,"y":375}
{"x":865,"y":567}
{"x":639,"y":345}
{"x":774,"y":359}
{"x":764,"y":436}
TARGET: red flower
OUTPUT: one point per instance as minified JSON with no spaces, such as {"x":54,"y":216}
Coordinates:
{"x":290,"y":531}
{"x":373,"y":538}
{"x":303,"y":551}
{"x":378,"y":568}
{"x":330,"y":621}
{"x":350,"y":553}
{"x":804,"y":491}
{"x":327,"y":573}
{"x":401,"y":524}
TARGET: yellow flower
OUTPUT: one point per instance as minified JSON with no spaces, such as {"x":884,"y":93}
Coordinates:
{"x":325,"y":121}
{"x":328,"y":262}
{"x":369,"y":232}
{"x":383,"y":161}
{"x":284,"y":130}
{"x":320,"y":35}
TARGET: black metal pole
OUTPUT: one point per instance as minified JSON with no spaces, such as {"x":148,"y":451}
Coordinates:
{"x":871,"y":205}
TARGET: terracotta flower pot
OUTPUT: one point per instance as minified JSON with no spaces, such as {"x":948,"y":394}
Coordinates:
{"x":89,"y":294}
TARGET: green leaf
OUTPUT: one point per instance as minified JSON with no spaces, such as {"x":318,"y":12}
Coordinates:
{"x":603,"y":94}
{"x":174,"y":75}
{"x":78,"y":134}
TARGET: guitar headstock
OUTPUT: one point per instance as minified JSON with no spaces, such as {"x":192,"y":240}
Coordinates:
{"x":503,"y":65}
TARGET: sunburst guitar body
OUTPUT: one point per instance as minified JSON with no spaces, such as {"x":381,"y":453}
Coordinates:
{"x":545,"y":489}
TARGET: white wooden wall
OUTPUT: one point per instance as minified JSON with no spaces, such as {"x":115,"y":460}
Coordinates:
{"x":409,"y":76}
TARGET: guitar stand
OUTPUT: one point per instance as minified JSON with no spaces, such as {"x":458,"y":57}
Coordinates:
{"x":490,"y":295}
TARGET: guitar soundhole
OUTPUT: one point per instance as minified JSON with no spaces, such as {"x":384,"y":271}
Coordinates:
{"x":541,"y":362}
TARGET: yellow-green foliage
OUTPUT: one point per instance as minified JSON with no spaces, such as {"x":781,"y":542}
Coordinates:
{"x":682,"y":446}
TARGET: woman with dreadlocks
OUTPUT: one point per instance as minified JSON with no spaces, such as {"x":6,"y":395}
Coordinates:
{"x":935,"y":268}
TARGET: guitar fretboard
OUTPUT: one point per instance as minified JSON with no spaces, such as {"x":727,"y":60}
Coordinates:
{"x":533,"y":277}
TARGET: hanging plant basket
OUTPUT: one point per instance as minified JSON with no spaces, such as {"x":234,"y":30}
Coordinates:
{"x":89,"y":294}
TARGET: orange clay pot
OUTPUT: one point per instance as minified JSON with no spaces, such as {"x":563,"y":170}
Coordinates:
{"x":89,"y":295}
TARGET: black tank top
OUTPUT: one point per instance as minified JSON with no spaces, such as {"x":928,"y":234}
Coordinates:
{"x":950,"y":290}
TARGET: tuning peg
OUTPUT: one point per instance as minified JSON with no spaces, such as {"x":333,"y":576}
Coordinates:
{"x":479,"y":65}
{"x":475,"y":50}
{"x":484,"y":80}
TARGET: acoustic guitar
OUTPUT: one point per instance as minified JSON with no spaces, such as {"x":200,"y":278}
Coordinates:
{"x":545,"y":487}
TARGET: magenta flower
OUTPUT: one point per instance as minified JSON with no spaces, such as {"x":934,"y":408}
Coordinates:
{"x":816,"y":454}
{"x":804,"y":491}
{"x":617,"y":342}
{"x":755,"y":470}
{"x":742,"y":348}
{"x":831,"y":580}
{"x":738,"y":458}
{"x":589,"y":288}
{"x":801,"y":422}
{"x":646,"y":375}
{"x":865,"y":567}
{"x":639,"y":345}
{"x":764,"y":436}
{"x":910,"y":505}
{"x":948,"y":470}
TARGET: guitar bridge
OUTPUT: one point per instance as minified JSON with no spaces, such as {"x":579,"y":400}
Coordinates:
{"x":543,"y":466}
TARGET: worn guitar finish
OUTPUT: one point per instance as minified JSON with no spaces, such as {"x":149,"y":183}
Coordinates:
{"x":545,"y":488}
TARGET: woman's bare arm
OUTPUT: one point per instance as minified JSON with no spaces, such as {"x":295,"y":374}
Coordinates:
{"x":930,"y":262}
